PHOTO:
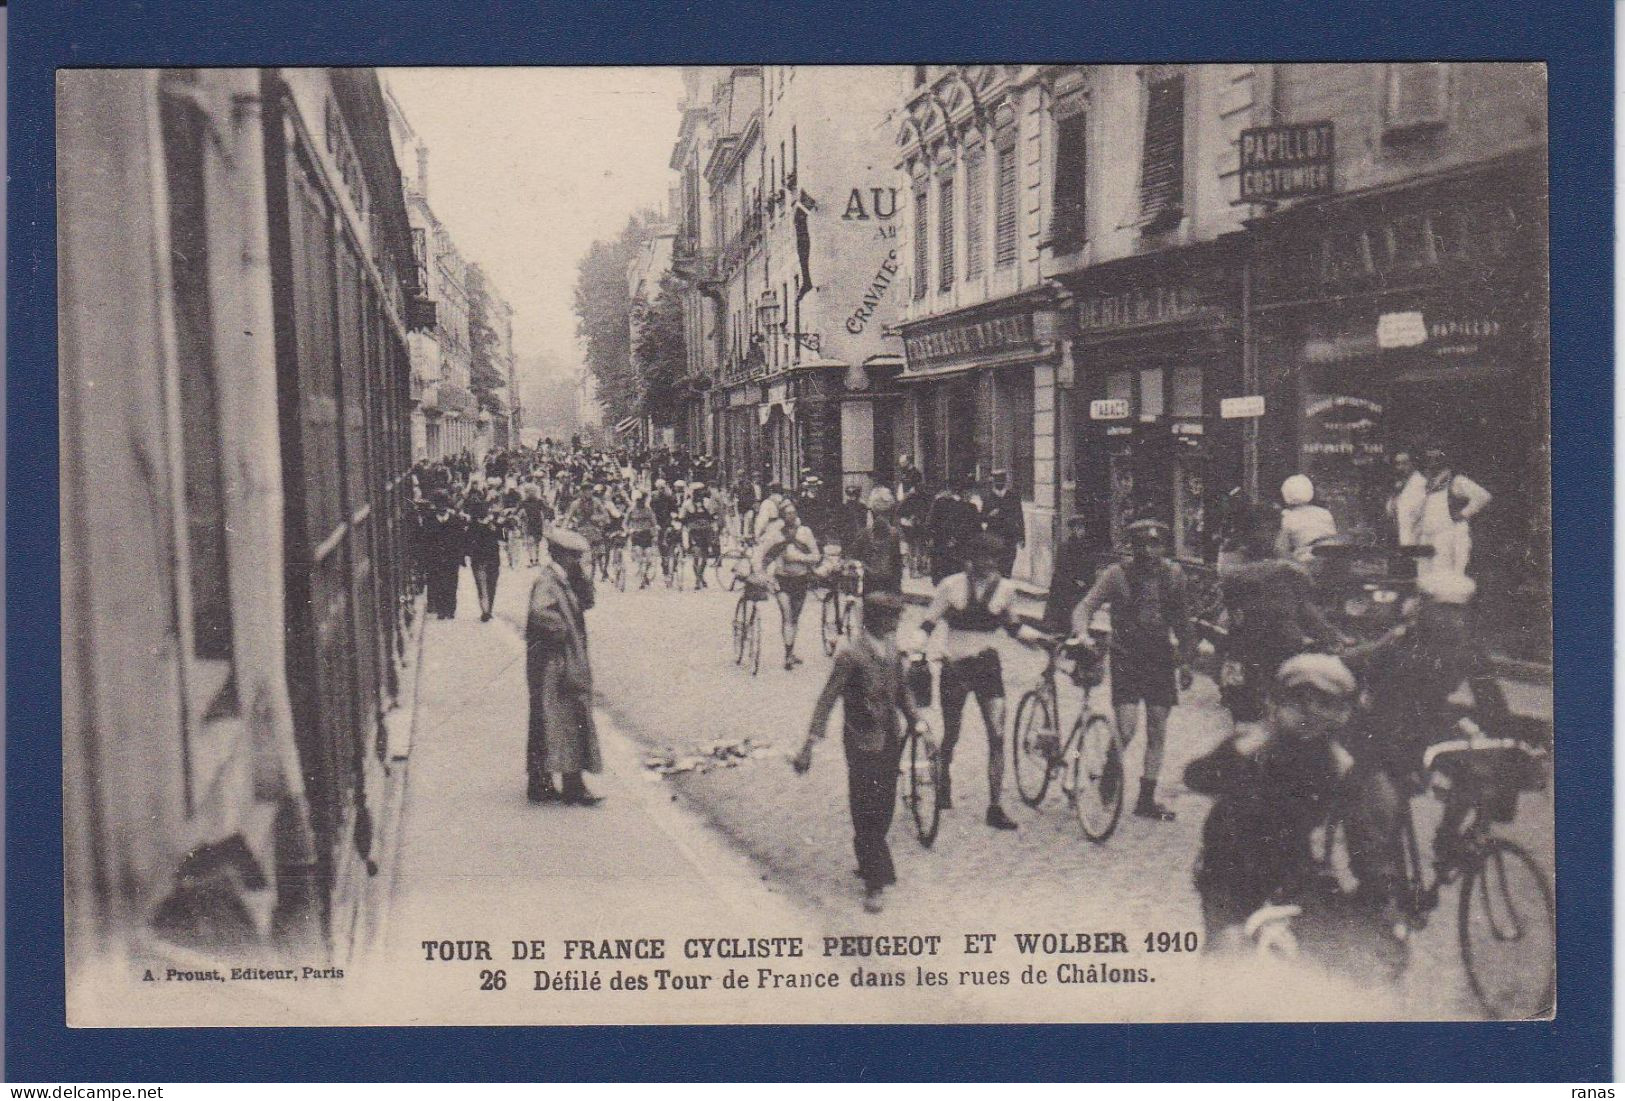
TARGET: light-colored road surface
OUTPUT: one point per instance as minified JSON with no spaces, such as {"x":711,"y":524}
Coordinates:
{"x":701,"y":850}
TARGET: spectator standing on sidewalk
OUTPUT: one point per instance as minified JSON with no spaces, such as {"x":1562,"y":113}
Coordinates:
{"x":558,"y":672}
{"x":1001,"y":516}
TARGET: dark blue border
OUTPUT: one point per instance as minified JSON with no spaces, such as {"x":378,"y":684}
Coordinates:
{"x":1577,"y":40}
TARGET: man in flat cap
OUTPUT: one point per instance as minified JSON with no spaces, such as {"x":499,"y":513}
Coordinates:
{"x":562,"y":737}
{"x":1001,"y":516}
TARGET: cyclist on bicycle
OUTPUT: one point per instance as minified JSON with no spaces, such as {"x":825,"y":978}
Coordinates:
{"x":1148,"y":613}
{"x":972,"y":607}
{"x":700,"y":526}
{"x":1273,"y":783}
{"x":1273,"y":615}
{"x":1409,"y":674}
{"x":640,"y":527}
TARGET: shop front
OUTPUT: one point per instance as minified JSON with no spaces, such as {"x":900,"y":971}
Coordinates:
{"x":1410,"y":320}
{"x":1156,"y":350}
{"x":978,"y":397}
{"x":737,"y":443}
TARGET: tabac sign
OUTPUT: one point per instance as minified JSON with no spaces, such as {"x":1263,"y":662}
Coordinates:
{"x":1286,"y":162}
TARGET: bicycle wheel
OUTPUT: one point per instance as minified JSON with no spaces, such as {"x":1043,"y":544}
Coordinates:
{"x":829,"y":625}
{"x":1097,"y":779}
{"x":753,"y":639}
{"x":741,"y":617}
{"x":919,"y":786}
{"x":1035,"y":731}
{"x":1508,"y":932}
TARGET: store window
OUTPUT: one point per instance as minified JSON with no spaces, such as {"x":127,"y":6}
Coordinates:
{"x":1069,"y":228}
{"x":1162,"y":163}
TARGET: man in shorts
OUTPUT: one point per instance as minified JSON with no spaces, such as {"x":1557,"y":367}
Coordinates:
{"x":972,"y":607}
{"x":1148,"y":613}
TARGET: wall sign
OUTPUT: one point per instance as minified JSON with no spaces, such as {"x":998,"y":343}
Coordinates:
{"x":1108,"y":409}
{"x":1286,"y":162}
{"x":1405,"y":329}
{"x":1250,"y":405}
{"x":988,"y":337}
{"x":1139,"y":306}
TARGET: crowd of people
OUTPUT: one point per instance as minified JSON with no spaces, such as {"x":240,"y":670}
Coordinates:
{"x":1320,"y":715}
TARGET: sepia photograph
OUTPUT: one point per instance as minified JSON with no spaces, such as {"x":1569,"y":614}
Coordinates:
{"x":537,"y":534}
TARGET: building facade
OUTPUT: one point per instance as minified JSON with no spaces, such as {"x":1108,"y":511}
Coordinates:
{"x":1160,"y":290}
{"x":788,"y":236}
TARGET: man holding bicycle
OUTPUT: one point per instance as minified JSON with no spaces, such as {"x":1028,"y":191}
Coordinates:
{"x":973,"y":606}
{"x":1148,"y":612}
{"x":869,"y":677}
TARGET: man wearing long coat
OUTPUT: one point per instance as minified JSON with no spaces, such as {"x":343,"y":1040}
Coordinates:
{"x":562,"y":737}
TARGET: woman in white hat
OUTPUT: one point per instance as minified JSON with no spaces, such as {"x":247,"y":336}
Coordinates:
{"x":1303,"y":523}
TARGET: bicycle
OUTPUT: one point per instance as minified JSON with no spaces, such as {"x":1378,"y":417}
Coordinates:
{"x":842,"y":606}
{"x":747,"y":627}
{"x":1038,"y":753}
{"x":671,"y":557}
{"x":917,"y":782}
{"x":733,"y":564}
{"x":617,"y":563}
{"x":1505,"y":906}
{"x":646,"y":567}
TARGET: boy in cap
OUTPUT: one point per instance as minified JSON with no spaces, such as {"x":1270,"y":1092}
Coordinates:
{"x":1272,"y":783}
{"x":1147,"y":601}
{"x":870,"y":679}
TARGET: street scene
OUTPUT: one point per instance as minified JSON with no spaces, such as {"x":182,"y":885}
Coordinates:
{"x":774,"y":543}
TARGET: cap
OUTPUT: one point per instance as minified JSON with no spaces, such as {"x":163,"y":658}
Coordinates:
{"x":696,"y":485}
{"x":1446,"y":587}
{"x":1298,"y":490}
{"x":1322,"y":672}
{"x":1147,"y":531}
{"x":882,"y":601}
{"x":561,"y":538}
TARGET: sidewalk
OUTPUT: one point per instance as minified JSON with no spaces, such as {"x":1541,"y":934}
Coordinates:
{"x":472,"y":857}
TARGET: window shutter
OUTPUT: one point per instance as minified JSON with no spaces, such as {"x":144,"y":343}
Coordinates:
{"x":1162,"y":166}
{"x":1417,"y":94}
{"x":975,"y":211}
{"x":1004,"y":202}
{"x":1069,"y":227}
{"x":922,"y":227}
{"x":945,"y":230}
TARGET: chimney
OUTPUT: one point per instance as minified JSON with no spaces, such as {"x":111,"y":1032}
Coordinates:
{"x":423,"y":171}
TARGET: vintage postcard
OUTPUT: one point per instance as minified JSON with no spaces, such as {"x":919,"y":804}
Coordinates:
{"x":780,"y":544}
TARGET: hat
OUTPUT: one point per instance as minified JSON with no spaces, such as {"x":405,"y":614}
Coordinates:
{"x":696,"y":485}
{"x":1147,"y":531}
{"x":563,"y":539}
{"x":984,"y":545}
{"x":1298,"y":490}
{"x":881,"y":500}
{"x":1322,"y":672}
{"x":1446,"y":587}
{"x":881,"y":601}
{"x":812,"y":480}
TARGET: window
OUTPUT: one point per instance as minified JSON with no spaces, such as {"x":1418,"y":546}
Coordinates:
{"x":1004,"y":207}
{"x":922,"y":246}
{"x":945,"y":230}
{"x":1069,"y":228}
{"x":1416,"y":96}
{"x":1162,"y":165}
{"x":975,"y":210}
{"x":207,"y":566}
